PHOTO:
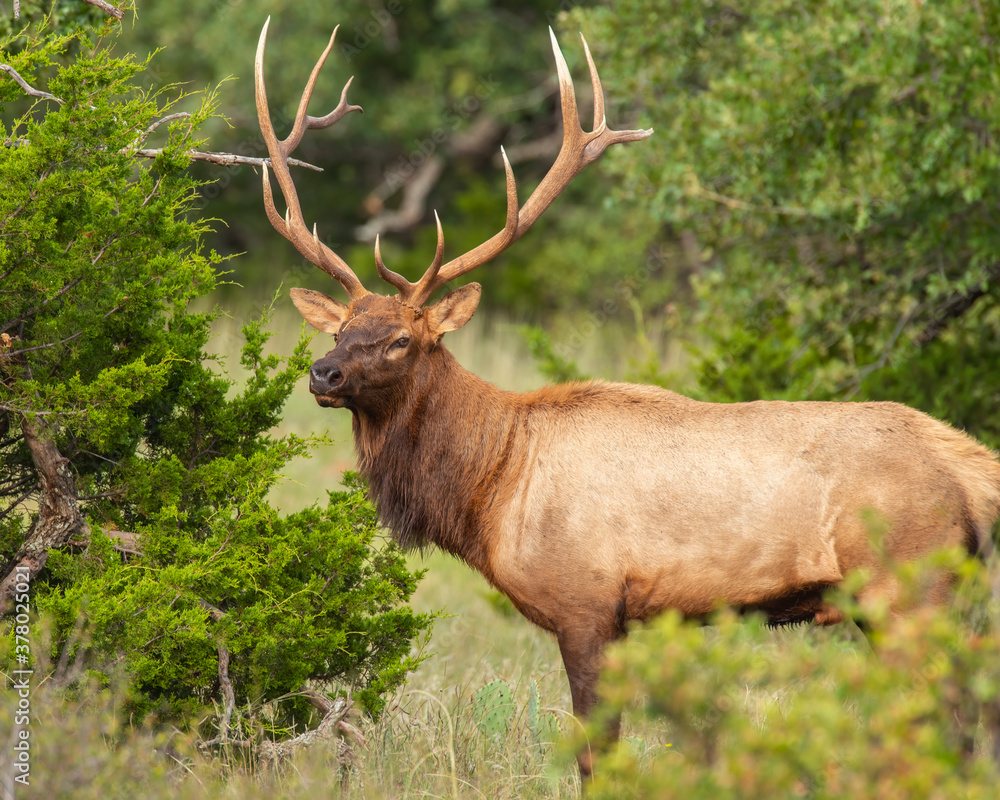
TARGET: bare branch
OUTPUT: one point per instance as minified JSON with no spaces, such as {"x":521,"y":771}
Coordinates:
{"x":10,"y":324}
{"x":31,"y":412}
{"x":334,"y":721}
{"x":59,"y":517}
{"x":169,"y":118}
{"x":105,"y":7}
{"x":123,"y":541}
{"x":955,"y":307}
{"x":227,"y":691}
{"x":227,"y":159}
{"x":411,"y":210}
{"x":214,"y":612}
{"x":28,"y":88}
{"x":6,"y":512}
{"x":224,"y":159}
{"x":43,"y":346}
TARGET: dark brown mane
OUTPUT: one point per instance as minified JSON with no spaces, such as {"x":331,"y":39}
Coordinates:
{"x":432,"y":486}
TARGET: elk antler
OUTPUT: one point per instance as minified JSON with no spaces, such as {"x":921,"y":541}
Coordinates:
{"x":579,"y":149}
{"x":292,"y":226}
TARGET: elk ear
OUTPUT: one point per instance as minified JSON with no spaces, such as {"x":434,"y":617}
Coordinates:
{"x":453,"y":310}
{"x":322,"y":312}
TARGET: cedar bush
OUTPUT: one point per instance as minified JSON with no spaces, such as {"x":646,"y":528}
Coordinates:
{"x":135,"y":475}
{"x":740,"y":710}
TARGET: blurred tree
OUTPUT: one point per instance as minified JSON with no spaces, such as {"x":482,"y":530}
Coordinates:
{"x":64,"y":16}
{"x":833,"y":170}
{"x":133,"y":478}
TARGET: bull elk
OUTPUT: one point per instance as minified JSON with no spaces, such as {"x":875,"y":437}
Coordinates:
{"x":593,"y":504}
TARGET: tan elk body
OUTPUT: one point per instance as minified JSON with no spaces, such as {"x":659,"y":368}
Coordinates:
{"x":593,"y":504}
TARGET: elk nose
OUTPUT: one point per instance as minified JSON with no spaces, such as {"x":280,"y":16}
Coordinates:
{"x":324,"y":378}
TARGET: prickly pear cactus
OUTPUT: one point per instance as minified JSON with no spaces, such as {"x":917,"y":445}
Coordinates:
{"x":544,"y":725}
{"x":494,"y":708}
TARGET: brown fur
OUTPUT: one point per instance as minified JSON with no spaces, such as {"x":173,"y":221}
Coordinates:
{"x":593,"y":504}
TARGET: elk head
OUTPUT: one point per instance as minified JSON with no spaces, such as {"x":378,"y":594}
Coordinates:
{"x":380,"y":340}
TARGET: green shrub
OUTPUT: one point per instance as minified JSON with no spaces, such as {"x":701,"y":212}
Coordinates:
{"x":134,"y":476}
{"x":739,"y":710}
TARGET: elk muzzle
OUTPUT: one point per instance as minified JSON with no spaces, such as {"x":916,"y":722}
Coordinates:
{"x":326,"y":379}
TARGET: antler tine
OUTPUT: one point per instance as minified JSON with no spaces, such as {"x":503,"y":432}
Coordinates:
{"x":418,"y":293}
{"x":579,"y":149}
{"x":292,"y":226}
{"x":393,"y":278}
{"x":600,"y":120}
{"x":413,"y":294}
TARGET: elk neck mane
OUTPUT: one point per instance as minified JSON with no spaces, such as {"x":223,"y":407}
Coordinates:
{"x":436,"y":463}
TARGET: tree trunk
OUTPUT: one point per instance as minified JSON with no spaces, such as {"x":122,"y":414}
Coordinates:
{"x":59,"y":516}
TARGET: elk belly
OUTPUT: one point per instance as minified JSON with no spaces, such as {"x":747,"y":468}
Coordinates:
{"x":670,"y":538}
{"x":780,"y":541}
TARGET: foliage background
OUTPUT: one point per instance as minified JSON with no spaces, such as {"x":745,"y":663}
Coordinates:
{"x":836,"y":165}
{"x":814,"y":218}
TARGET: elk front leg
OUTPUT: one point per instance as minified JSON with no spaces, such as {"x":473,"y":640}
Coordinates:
{"x":583,"y":656}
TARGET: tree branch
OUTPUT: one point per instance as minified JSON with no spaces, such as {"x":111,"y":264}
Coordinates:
{"x":42,"y":347}
{"x":28,"y":89}
{"x":169,"y":118}
{"x":105,"y":7}
{"x":16,"y":503}
{"x":955,"y":307}
{"x":227,"y":691}
{"x":226,"y":159}
{"x":416,"y":187}
{"x":11,"y":323}
{"x":334,"y":721}
{"x":59,"y":517}
{"x":122,"y":541}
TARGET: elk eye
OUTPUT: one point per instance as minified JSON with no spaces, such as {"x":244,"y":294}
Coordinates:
{"x":402,"y":341}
